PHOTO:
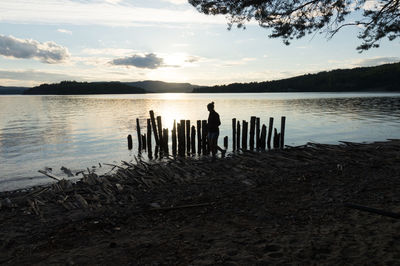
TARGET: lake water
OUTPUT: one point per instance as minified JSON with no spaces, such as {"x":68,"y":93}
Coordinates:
{"x":82,"y":131}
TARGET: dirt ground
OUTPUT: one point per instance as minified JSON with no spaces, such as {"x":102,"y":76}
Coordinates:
{"x":282,"y":207}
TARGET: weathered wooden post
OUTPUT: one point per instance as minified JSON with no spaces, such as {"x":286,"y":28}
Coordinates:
{"x":244,"y":135}
{"x":179,"y":131}
{"x":165,"y":140}
{"x":270,"y":127}
{"x":193,"y":140}
{"x":238,"y":136}
{"x":183,"y":139}
{"x":160,"y":136}
{"x":257,"y":133}
{"x":156,"y":151}
{"x":226,"y":142}
{"x":262,"y":137}
{"x":199,"y":136}
{"x":130,"y":142}
{"x":174,"y":138}
{"x":283,"y":122}
{"x":138,"y":134}
{"x":144,"y":142}
{"x":252,"y":127}
{"x":188,"y":137}
{"x":148,"y":135}
{"x":204,"y":136}
{"x":276,"y":139}
{"x":153,"y":125}
{"x":234,"y":134}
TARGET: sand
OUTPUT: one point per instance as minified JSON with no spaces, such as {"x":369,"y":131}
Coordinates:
{"x":283,"y":207}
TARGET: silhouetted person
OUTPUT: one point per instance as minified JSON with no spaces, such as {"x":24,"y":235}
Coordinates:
{"x":213,"y":130}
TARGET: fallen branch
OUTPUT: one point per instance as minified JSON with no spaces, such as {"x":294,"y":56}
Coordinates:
{"x":50,"y":175}
{"x":181,"y":207}
{"x":372,"y":210}
{"x":113,"y":165}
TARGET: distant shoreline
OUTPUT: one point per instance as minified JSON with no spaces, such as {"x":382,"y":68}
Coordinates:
{"x":382,"y":78}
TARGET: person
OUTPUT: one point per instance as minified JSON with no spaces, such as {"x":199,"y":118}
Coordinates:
{"x":213,"y":130}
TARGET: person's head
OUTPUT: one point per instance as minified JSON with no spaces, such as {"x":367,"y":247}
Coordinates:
{"x":210,"y":106}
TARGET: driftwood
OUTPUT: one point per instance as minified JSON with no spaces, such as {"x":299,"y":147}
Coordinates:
{"x":373,"y":210}
{"x":181,"y":207}
{"x":50,"y":175}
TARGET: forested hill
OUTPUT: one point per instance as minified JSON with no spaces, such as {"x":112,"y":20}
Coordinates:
{"x":12,"y":90}
{"x":73,"y":87}
{"x":380,"y":78}
{"x":161,"y":86}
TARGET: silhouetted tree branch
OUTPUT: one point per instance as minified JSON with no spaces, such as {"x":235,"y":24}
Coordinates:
{"x":295,"y":19}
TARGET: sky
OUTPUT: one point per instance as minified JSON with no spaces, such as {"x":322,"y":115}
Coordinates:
{"x":48,"y":41}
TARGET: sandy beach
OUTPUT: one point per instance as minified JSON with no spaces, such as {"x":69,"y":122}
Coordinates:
{"x":282,"y":207}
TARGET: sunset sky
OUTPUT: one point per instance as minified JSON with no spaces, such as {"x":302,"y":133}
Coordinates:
{"x":168,"y":40}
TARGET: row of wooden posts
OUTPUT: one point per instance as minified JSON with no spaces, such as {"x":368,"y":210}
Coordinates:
{"x":184,"y":136}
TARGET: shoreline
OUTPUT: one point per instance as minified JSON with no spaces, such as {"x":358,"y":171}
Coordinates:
{"x":281,"y":206}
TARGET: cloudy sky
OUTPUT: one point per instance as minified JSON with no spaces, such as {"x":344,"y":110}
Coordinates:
{"x":129,"y":40}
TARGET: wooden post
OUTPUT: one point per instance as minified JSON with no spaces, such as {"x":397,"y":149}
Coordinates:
{"x":144,"y":142}
{"x":262,"y":137}
{"x":244,"y":135}
{"x":238,"y":136}
{"x":160,"y":136}
{"x":156,"y":151}
{"x":226,"y":142}
{"x":138,"y":134}
{"x":198,"y":136}
{"x":148,"y":135}
{"x":252,"y":131}
{"x":204,"y":136}
{"x":174,"y":139}
{"x":283,"y":122}
{"x":183,"y":139}
{"x":165,"y":140}
{"x":130,"y":142}
{"x":179,"y":131}
{"x":234,"y":134}
{"x":193,"y":140}
{"x":257,"y":133}
{"x":270,"y":127}
{"x":153,"y":125}
{"x":188,"y":136}
{"x":276,"y":138}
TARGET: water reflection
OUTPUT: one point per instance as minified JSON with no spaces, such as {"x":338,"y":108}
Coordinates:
{"x":80,"y":131}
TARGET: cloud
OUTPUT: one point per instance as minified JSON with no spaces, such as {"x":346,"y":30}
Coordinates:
{"x":65,"y":31}
{"x":33,"y":75}
{"x":116,"y":52}
{"x":47,"y":52}
{"x":242,"y":61}
{"x":150,"y":61}
{"x":375,"y":61}
{"x":177,"y":2}
{"x":192,"y":59}
{"x":111,"y":13}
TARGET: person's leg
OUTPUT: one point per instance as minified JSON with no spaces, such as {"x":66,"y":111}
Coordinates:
{"x":214,"y":145}
{"x":211,"y":143}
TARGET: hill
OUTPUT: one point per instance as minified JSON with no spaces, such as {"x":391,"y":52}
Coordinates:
{"x":73,"y":87}
{"x":162,"y":87}
{"x":379,"y":78}
{"x":12,"y":90}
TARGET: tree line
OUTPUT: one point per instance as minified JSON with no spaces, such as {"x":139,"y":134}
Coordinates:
{"x":74,"y":87}
{"x":380,"y":78}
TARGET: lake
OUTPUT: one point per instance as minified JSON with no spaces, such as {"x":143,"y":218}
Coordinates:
{"x":82,"y":131}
